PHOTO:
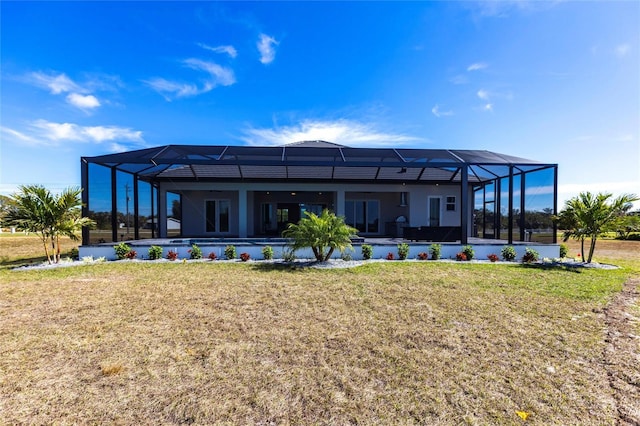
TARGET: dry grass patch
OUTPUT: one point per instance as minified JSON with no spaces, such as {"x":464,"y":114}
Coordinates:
{"x":414,"y":343}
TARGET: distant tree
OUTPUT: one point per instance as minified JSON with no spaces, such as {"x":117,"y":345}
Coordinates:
{"x":176,"y":210}
{"x":4,"y":205}
{"x":324,"y":234}
{"x":34,"y":209}
{"x":590,"y":216}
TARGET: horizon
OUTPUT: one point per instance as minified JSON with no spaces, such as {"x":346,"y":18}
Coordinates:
{"x":93,"y":78}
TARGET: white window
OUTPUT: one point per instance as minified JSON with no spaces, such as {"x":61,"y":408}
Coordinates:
{"x":451,"y":203}
{"x":217,"y":215}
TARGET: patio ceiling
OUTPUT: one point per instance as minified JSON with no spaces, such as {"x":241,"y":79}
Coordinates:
{"x":313,"y":160}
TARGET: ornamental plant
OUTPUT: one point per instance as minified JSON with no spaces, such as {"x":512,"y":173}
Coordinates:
{"x":461,"y":257}
{"x":195,"y":252}
{"x":245,"y":257}
{"x":435,"y":250}
{"x":423,"y":256}
{"x":493,"y":257}
{"x":172,"y":255}
{"x":390,"y":256}
{"x":564,"y":250}
{"x":367,"y":251}
{"x":230,"y":252}
{"x":403,"y":251}
{"x":155,"y":252}
{"x":122,"y":250}
{"x":468,"y":252}
{"x":508,"y":253}
{"x":530,"y":255}
{"x":212,"y":256}
{"x":267,"y":252}
{"x":132,"y":254}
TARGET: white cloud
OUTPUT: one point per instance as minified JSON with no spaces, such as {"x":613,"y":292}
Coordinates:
{"x":622,"y":50}
{"x":55,"y":83}
{"x":477,"y":66}
{"x":217,"y":76}
{"x":83,"y":101}
{"x":47,"y":133}
{"x":229,"y":50}
{"x":488,"y":107}
{"x":436,"y":111}
{"x":483,"y":94}
{"x":266,"y":46}
{"x":347,"y":132}
{"x":221,"y":75}
{"x":459,"y":79}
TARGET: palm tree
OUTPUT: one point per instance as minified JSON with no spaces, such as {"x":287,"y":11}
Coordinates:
{"x":35,"y":209}
{"x":324,"y":234}
{"x":589,"y":216}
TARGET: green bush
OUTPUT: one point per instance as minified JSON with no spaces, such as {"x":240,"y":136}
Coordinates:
{"x":195,"y":252}
{"x":288,"y":255}
{"x":267,"y":252}
{"x":230,"y":252}
{"x":122,"y":250}
{"x":403,"y":251}
{"x":468,"y":252}
{"x":367,"y":251}
{"x":155,"y":252}
{"x":435,"y":250}
{"x":508,"y":253}
{"x":564,"y":250}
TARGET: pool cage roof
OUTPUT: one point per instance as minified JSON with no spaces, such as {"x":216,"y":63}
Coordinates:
{"x":313,"y":161}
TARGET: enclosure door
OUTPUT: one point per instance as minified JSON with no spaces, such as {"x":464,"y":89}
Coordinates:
{"x":434,"y":211}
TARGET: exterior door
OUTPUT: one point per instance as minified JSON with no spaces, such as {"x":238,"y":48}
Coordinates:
{"x":434,"y":211}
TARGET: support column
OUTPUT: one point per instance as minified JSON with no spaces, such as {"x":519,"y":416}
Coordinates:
{"x":242,"y":213}
{"x":114,"y":206}
{"x":136,"y":213}
{"x":522,"y":205}
{"x":464,"y":205}
{"x":84,"y":184}
{"x":555,"y":203}
{"x":340,"y":203}
{"x":162,"y":212}
{"x":510,"y":227}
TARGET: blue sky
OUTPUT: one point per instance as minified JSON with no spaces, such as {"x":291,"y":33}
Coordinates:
{"x":557,"y":82}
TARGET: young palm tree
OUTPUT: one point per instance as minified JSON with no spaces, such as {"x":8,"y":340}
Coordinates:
{"x":35,"y":209}
{"x":589,"y":216}
{"x":324,"y":234}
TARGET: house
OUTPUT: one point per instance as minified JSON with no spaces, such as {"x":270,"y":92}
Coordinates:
{"x":250,"y":191}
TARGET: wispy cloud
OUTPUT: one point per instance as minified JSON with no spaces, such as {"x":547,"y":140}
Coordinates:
{"x":58,"y":83}
{"x":483,"y":94}
{"x":347,"y":132}
{"x":266,"y":46}
{"x":488,"y":107}
{"x":477,"y":66}
{"x":217,"y":76}
{"x":438,"y":113}
{"x":47,"y":133}
{"x":459,"y":79}
{"x":229,"y":50}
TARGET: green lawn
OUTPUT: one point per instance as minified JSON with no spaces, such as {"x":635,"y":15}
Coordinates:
{"x":246,"y":343}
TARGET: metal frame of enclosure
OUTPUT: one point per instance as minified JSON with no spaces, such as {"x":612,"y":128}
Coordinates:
{"x":494,"y":181}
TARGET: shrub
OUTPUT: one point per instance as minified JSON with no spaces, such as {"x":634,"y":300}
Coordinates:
{"x":230,"y":252}
{"x":288,"y":255}
{"x":468,"y":252}
{"x":367,"y":251}
{"x":155,"y":252}
{"x":121,"y":250}
{"x":461,"y":257}
{"x":390,"y":256}
{"x":132,"y":254}
{"x":530,"y":255}
{"x":564,"y":250}
{"x":195,"y":252}
{"x":244,"y":257}
{"x":493,"y":257}
{"x":435,"y":250}
{"x":267,"y":252}
{"x":423,"y":255}
{"x":508,"y":253}
{"x":212,"y":256}
{"x":346,"y":256}
{"x":403,"y":251}
{"x":74,"y":253}
{"x":172,"y":255}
